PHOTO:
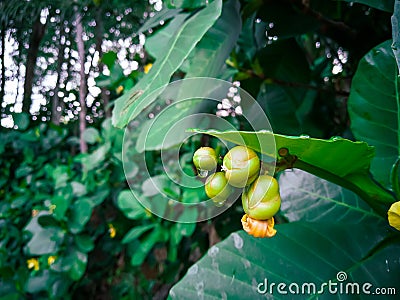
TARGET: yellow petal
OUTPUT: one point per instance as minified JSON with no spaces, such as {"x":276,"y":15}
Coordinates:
{"x":258,"y":228}
{"x":147,"y":68}
{"x":33,"y":263}
{"x":394,"y":215}
{"x":51,"y":260}
{"x":119,"y":89}
{"x":112,"y":231}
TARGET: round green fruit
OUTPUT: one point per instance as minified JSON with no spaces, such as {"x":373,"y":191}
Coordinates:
{"x":217,"y":187}
{"x":205,"y":159}
{"x":241,"y":166}
{"x":262,"y":200}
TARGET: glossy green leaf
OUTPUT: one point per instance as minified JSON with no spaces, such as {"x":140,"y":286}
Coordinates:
{"x":160,"y":183}
{"x":78,"y":264}
{"x":180,"y":230}
{"x":23,"y":171}
{"x":147,"y":243}
{"x":133,"y":102}
{"x":157,"y":43}
{"x":190,"y":4}
{"x":396,"y":33}
{"x":84,"y":243}
{"x":21,"y":120}
{"x":61,"y":205}
{"x":353,"y":156}
{"x":60,"y":175}
{"x":74,"y":263}
{"x":78,"y":189}
{"x":19,"y":201}
{"x":373,"y":108}
{"x":81,"y":211}
{"x":308,"y":198}
{"x":91,"y":135}
{"x":246,"y":41}
{"x":8,"y":290}
{"x":44,"y":240}
{"x":130,"y":206}
{"x":38,"y":283}
{"x":161,"y":16}
{"x":312,"y":253}
{"x":136,"y":232}
{"x":214,"y":48}
{"x":109,"y":58}
{"x":100,"y":195}
{"x":154,"y":131}
{"x":385,"y":5}
{"x":95,"y":159}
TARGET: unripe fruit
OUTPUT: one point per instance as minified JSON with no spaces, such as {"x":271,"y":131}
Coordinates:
{"x":205,"y":159}
{"x":262,"y":200}
{"x":217,"y":187}
{"x":241,"y":166}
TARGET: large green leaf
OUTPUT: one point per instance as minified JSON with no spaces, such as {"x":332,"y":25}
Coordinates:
{"x":81,"y":211}
{"x":44,"y":240}
{"x":130,"y":206}
{"x":188,"y":35}
{"x":161,"y":16}
{"x":396,"y":33}
{"x":136,"y":232}
{"x":339,"y":160}
{"x":211,"y":52}
{"x":158,"y":234}
{"x":74,"y":262}
{"x":156,"y":44}
{"x":190,"y":4}
{"x":373,"y":108}
{"x":309,"y":198}
{"x":325,"y":154}
{"x":310,"y":253}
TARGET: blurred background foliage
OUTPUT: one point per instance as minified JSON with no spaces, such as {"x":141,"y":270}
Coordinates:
{"x":69,"y":225}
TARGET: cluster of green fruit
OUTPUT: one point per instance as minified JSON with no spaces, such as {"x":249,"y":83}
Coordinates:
{"x":240,"y":169}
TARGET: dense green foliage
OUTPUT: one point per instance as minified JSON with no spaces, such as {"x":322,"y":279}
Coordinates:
{"x":325,"y":74}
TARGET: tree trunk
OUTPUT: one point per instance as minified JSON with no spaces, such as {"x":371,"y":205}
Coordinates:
{"x":99,"y":41}
{"x":83,"y":84}
{"x":19,"y":62}
{"x":37,"y":35}
{"x":55,"y":114}
{"x":3,"y":67}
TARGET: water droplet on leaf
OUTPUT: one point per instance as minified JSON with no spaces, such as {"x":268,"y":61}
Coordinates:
{"x":202,"y":173}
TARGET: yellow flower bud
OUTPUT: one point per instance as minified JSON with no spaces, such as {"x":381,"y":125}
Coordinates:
{"x":147,"y":68}
{"x":112,"y":231}
{"x":394,"y":215}
{"x":33,"y":263}
{"x":51,"y":260}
